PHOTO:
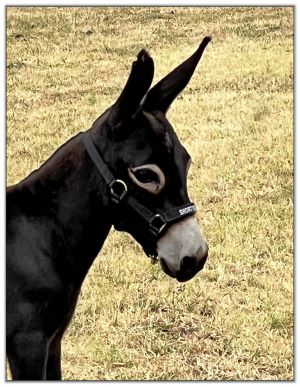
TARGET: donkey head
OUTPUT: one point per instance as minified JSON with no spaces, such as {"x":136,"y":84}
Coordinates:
{"x":142,"y":150}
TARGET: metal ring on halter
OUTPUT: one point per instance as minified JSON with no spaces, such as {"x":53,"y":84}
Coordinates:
{"x":157,"y":224}
{"x":116,"y":184}
{"x":154,"y":259}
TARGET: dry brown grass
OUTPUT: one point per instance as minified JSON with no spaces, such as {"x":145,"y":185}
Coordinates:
{"x":234,"y":320}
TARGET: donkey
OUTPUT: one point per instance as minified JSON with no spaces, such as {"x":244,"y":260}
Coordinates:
{"x":129,"y":170}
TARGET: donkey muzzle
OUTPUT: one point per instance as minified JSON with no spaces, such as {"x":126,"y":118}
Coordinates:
{"x":182,"y":250}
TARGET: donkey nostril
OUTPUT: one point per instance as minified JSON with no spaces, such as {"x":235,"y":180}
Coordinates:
{"x":188,"y":263}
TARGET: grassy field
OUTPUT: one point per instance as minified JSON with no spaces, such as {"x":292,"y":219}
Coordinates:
{"x":234,"y":321}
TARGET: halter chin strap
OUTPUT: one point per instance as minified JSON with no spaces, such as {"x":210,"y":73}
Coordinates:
{"x":157,"y":221}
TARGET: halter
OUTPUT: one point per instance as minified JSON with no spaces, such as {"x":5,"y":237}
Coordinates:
{"x":157,"y":221}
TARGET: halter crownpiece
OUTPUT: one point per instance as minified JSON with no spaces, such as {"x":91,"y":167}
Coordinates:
{"x":157,"y":221}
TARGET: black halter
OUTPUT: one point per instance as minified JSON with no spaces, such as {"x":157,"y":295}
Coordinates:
{"x":157,"y":221}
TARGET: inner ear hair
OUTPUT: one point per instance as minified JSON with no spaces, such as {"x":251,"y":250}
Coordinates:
{"x":150,"y":117}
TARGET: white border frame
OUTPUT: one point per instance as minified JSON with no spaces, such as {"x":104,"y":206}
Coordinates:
{"x":198,"y":3}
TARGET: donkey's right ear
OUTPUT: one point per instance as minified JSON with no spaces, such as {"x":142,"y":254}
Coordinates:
{"x":165,"y":91}
{"x":137,"y":85}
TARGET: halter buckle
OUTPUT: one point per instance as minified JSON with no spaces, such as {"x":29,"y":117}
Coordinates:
{"x":157,"y":224}
{"x":118,"y":190}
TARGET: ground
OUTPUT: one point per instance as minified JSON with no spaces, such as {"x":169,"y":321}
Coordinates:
{"x":234,"y":321}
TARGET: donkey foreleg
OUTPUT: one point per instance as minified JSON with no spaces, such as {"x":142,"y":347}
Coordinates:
{"x":54,"y":361}
{"x":27,"y":355}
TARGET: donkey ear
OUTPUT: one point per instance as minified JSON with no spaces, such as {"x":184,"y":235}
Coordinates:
{"x":164,"y":92}
{"x":136,"y":87}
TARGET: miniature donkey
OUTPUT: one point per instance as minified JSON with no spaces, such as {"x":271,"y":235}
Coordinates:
{"x":128,"y":170}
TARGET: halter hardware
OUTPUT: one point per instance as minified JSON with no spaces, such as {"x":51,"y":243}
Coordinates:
{"x":157,"y":224}
{"x":118,"y":190}
{"x":157,"y":221}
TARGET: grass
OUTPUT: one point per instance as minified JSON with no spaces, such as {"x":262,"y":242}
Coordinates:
{"x":234,"y":321}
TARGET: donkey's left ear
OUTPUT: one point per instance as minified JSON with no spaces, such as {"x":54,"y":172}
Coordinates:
{"x":136,"y":87}
{"x":164,"y":92}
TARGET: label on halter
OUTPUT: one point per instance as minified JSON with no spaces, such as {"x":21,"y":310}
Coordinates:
{"x":187,"y":210}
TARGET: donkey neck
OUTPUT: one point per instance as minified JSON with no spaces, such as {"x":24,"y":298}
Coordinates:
{"x":69,"y":194}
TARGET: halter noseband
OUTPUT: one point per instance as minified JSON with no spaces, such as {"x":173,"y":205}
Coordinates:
{"x":157,"y":221}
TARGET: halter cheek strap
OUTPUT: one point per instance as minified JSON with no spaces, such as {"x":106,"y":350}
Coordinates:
{"x":157,"y":221}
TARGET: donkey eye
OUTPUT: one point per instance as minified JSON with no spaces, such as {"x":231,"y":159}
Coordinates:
{"x":149,"y":177}
{"x":146,"y":175}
